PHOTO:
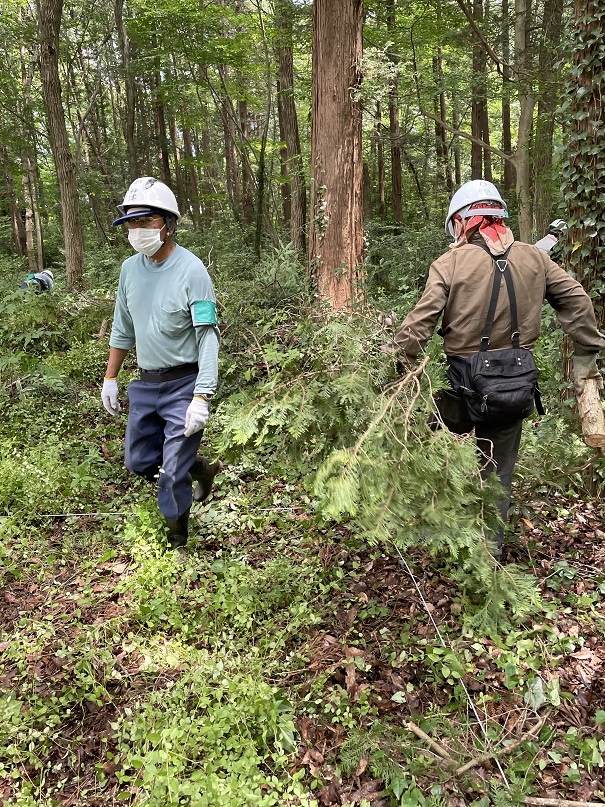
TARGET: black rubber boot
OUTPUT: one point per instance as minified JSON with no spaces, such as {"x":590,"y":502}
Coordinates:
{"x":178,"y":531}
{"x":203,"y":472}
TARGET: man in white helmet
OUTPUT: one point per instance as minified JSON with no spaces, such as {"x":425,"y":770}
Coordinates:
{"x":166,"y":309}
{"x":459,"y":287}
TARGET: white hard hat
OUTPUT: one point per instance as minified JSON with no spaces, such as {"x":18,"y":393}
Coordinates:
{"x":47,"y":272}
{"x":147,"y":194}
{"x":469,"y":194}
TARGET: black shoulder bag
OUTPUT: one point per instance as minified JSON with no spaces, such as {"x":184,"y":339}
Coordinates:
{"x":500,"y":384}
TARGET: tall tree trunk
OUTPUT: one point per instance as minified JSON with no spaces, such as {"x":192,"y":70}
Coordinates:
{"x":179,"y":183}
{"x":121,"y":166}
{"x":395,"y":140}
{"x":456,"y":146}
{"x":396,"y":171}
{"x":11,"y":201}
{"x":208,"y":174}
{"x":336,"y":233}
{"x":527,"y":102}
{"x":262,"y":206}
{"x":288,"y":124}
{"x":160,"y":126}
{"x":367,"y":193}
{"x":146,"y":134}
{"x":284,"y":165}
{"x":481,"y":167}
{"x":508,"y":169}
{"x":247,"y":178}
{"x":190,"y":180}
{"x":233,"y":179}
{"x":32,"y":226}
{"x":548,"y":100}
{"x":442,"y":145}
{"x":49,"y":20}
{"x":129,"y":119}
{"x":29,"y":219}
{"x":440,"y":111}
{"x":380,"y":160}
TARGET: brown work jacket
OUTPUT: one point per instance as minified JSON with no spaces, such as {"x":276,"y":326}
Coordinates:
{"x":459,"y":285}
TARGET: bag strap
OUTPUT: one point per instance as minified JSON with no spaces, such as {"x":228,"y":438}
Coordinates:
{"x":500,"y":268}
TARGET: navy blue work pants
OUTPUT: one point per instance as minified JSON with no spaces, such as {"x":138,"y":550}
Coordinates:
{"x":155,"y":443}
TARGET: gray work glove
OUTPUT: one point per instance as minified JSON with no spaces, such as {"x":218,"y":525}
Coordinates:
{"x":585,"y":367}
{"x":109,"y":396}
{"x":197,"y":416}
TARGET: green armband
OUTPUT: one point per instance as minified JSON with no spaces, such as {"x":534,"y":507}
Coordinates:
{"x":204,"y":312}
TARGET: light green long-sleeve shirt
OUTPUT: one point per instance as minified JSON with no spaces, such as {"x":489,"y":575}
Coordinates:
{"x":168,"y":312}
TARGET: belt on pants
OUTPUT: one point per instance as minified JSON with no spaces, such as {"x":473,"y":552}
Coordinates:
{"x":169,"y":374}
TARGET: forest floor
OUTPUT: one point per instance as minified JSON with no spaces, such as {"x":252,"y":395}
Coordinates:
{"x":393,"y":701}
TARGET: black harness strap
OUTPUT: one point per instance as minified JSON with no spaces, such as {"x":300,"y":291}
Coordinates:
{"x":501,"y":268}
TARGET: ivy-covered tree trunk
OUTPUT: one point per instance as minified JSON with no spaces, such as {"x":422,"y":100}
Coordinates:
{"x":336,"y":231}
{"x":49,"y":20}
{"x":583,"y":170}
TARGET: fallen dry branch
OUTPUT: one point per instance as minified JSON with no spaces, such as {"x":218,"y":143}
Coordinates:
{"x":560,"y":803}
{"x":438,"y":749}
{"x":412,"y":374}
{"x":498,"y":752}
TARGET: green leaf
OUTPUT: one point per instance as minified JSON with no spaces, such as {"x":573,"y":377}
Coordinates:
{"x":552,"y":692}
{"x":534,"y":697}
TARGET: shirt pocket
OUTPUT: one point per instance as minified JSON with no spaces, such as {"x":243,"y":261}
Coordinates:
{"x":173,"y":322}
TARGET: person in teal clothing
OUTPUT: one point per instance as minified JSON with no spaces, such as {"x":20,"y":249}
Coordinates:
{"x":40,"y":281}
{"x":166,"y":309}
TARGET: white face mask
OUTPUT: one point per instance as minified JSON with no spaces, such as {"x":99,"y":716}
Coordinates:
{"x":146,"y":241}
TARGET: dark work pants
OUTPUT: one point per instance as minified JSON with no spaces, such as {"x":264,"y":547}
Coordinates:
{"x":497,"y":446}
{"x":155,"y":443}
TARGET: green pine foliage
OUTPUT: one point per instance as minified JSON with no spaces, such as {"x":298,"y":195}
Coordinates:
{"x":310,"y":382}
{"x":324,"y":395}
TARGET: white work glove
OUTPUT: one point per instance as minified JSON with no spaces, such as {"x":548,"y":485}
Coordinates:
{"x":109,"y":396}
{"x":585,"y":367}
{"x":197,"y":416}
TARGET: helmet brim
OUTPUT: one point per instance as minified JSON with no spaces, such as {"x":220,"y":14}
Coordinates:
{"x":133,"y":214}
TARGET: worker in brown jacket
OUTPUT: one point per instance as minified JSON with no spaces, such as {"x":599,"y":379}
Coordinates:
{"x":459,"y":287}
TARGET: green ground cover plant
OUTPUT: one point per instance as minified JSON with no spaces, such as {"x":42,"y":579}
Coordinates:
{"x":337,"y":634}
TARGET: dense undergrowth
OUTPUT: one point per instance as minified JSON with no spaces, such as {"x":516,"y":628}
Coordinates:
{"x":339,"y":633}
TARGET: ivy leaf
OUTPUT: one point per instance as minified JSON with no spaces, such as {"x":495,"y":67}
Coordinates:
{"x":534,"y":697}
{"x":552,"y":692}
